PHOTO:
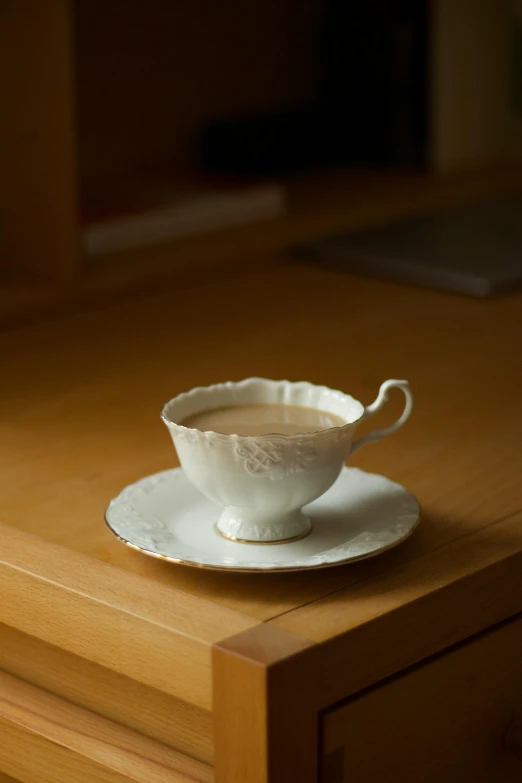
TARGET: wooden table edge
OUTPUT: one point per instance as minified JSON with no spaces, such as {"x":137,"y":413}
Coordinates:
{"x":150,"y":632}
{"x":267,"y":684}
{"x":63,"y":742}
{"x":271,"y":684}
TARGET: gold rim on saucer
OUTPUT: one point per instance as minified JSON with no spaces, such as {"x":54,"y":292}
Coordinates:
{"x":165,"y":517}
{"x":260,"y":570}
{"x":298,"y":537}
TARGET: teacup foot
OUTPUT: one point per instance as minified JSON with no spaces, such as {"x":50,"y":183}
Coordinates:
{"x":258,"y":529}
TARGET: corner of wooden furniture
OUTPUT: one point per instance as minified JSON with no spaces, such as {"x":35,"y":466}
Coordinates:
{"x":265,"y":713}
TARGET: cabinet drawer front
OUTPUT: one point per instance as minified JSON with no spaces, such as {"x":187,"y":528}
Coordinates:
{"x":456,"y":718}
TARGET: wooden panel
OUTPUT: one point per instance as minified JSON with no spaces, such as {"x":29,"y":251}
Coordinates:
{"x":446,"y":596}
{"x":453,"y":565}
{"x":265,"y":717}
{"x":443,"y":721}
{"x":161,"y":717}
{"x":37,"y":146}
{"x":93,"y":425}
{"x":157,"y":636}
{"x":46,"y":740}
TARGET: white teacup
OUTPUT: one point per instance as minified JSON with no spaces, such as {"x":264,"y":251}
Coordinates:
{"x":263,"y":481}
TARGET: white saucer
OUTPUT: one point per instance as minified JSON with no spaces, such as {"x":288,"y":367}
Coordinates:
{"x":362,"y":515}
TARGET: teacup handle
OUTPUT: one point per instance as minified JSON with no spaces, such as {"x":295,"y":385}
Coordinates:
{"x":382,"y":398}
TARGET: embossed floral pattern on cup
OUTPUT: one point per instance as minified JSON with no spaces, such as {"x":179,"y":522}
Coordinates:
{"x":262,"y":482}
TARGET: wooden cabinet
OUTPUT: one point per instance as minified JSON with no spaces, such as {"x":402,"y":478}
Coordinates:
{"x":119,"y":667}
{"x":453,"y":718}
{"x":44,"y":738}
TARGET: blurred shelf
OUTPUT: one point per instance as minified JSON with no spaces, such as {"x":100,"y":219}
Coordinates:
{"x":318,"y":205}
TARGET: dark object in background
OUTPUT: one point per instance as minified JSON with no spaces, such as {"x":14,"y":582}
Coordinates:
{"x":374,"y":57}
{"x":370,"y":107}
{"x":271,"y":145}
{"x":474,"y":250}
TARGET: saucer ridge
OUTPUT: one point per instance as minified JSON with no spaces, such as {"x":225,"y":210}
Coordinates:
{"x":361,"y":515}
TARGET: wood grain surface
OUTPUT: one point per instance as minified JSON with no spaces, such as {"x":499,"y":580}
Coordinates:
{"x":149,"y":711}
{"x":44,"y":739}
{"x":81,"y":399}
{"x":445,"y":720}
{"x":151,"y":633}
{"x":424,"y":606}
{"x":265,"y":724}
{"x":79,"y":416}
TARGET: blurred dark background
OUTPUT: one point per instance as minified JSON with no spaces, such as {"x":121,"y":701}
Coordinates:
{"x":146,"y":143}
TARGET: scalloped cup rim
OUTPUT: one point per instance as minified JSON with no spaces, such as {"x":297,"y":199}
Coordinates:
{"x":193,"y":393}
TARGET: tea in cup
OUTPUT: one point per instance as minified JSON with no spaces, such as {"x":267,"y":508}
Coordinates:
{"x":262,"y":449}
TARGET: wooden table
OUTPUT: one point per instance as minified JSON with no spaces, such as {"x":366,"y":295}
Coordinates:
{"x":120,"y":667}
